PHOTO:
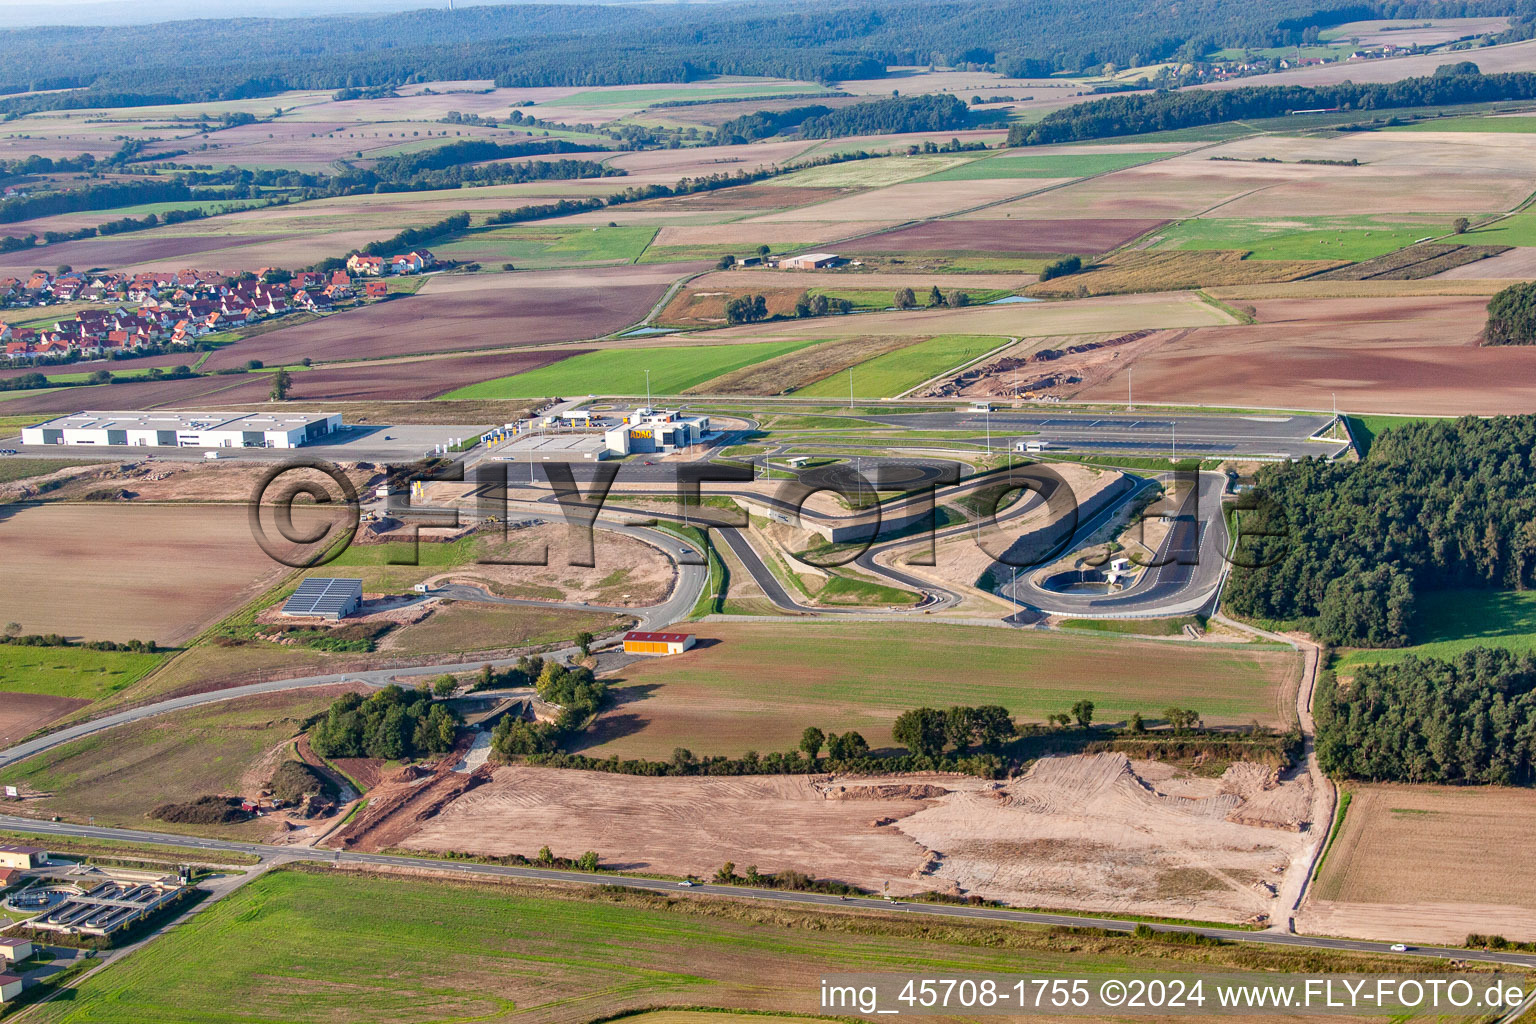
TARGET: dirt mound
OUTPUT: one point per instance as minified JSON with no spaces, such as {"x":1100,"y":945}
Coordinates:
{"x":410,"y":773}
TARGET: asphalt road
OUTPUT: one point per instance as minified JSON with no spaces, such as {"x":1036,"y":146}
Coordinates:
{"x":946,"y":910}
{"x":1277,"y":435}
{"x":1188,"y":567}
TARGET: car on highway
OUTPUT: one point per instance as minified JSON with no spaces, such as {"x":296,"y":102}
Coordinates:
{"x":687,"y":883}
{"x":8,"y":451}
{"x":1398,"y":947}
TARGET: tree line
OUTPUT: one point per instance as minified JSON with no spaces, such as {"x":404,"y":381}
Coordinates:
{"x":1470,"y":719}
{"x":1135,"y":114}
{"x":1345,"y":547}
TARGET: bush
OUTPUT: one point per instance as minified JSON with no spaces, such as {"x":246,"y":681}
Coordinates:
{"x":1062,"y":268}
{"x":205,"y":810}
{"x":294,"y":780}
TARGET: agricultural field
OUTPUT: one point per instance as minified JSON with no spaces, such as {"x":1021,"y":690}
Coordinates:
{"x":1047,"y":165}
{"x":1032,"y":236}
{"x":893,"y":373}
{"x":1415,"y":354}
{"x":104,"y":571}
{"x":672,"y":370}
{"x":1520,"y":123}
{"x":120,"y":775}
{"x":1403,"y":865}
{"x":1132,"y":271}
{"x":72,"y":673}
{"x":504,"y":954}
{"x":1301,"y":238}
{"x":870,"y":174}
{"x":539,"y":247}
{"x":711,"y":699}
{"x":1516,"y":230}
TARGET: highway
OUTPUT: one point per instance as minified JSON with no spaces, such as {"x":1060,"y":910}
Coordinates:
{"x":945,"y":910}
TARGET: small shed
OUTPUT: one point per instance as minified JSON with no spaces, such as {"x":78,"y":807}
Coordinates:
{"x":15,"y":949}
{"x":10,"y":987}
{"x":641,"y":642}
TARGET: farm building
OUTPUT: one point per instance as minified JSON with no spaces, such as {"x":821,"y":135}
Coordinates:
{"x":324,"y":597}
{"x":811,"y":261}
{"x":638,"y":642}
{"x":14,"y":949}
{"x":10,"y":987}
{"x":9,"y":877}
{"x":184,"y":429}
{"x":22,"y":857}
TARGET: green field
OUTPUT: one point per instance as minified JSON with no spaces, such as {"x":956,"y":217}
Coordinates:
{"x":1365,"y":429}
{"x":533,"y":247}
{"x":876,"y":173}
{"x":889,"y":375}
{"x":1447,"y":623}
{"x":622,"y":371}
{"x":1045,"y":165}
{"x":308,"y":947}
{"x":119,"y":775}
{"x":1517,"y":230}
{"x":1520,"y":124}
{"x":1351,"y":238}
{"x":72,"y":672}
{"x":713,"y":700}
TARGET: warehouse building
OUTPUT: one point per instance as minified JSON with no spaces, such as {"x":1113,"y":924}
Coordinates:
{"x":325,"y":597}
{"x":184,"y":429}
{"x":811,"y":261}
{"x":23,"y":858}
{"x":640,"y":642}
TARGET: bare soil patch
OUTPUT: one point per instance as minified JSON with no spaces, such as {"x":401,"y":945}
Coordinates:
{"x":1404,"y":865}
{"x":797,"y":369}
{"x":123,"y":571}
{"x":125,"y":250}
{"x":22,"y":714}
{"x":1084,"y":237}
{"x":1390,"y":355}
{"x":1140,"y":271}
{"x":1087,"y":832}
{"x":473,"y":312}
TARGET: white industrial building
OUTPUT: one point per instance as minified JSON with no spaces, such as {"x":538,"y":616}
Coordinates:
{"x":184,"y":429}
{"x":655,"y":430}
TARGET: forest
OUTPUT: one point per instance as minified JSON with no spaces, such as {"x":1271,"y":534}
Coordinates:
{"x":1470,"y":720}
{"x":1435,"y":505}
{"x":1512,"y":316}
{"x":589,"y":45}
{"x":1143,"y":112}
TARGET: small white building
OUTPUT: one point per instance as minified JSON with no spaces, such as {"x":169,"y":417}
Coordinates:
{"x":23,"y":858}
{"x":184,"y":429}
{"x":1030,"y":446}
{"x":10,"y":987}
{"x":811,"y":261}
{"x":14,"y":949}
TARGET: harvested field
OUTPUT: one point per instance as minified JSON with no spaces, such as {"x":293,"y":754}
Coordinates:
{"x":1402,"y":865}
{"x":713,"y":701}
{"x":1509,"y":57}
{"x":1144,"y":271}
{"x":750,"y":234}
{"x":1414,"y":263}
{"x":876,"y":173}
{"x":799,"y":369}
{"x":1084,"y":237}
{"x":1404,"y":355}
{"x":743,"y":198}
{"x":127,"y":250}
{"x":1082,"y":832}
{"x":846,"y":279}
{"x":1517,"y":264}
{"x":911,"y":200}
{"x":22,"y":714}
{"x":123,"y":572}
{"x":118,"y":776}
{"x":1114,"y":313}
{"x":483,"y":311}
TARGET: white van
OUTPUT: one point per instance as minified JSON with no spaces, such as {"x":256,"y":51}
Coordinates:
{"x":212,"y":455}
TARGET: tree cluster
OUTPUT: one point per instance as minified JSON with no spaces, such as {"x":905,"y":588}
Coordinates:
{"x":1471,"y":720}
{"x":392,"y":724}
{"x":1512,"y":316}
{"x":1434,"y":505}
{"x":927,"y":732}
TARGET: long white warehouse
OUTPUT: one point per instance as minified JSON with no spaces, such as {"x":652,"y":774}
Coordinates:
{"x":184,"y":429}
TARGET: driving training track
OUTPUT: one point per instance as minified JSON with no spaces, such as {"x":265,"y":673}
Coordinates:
{"x":289,"y":853}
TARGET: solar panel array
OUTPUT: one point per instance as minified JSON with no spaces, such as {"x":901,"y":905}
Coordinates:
{"x":323,"y":595}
